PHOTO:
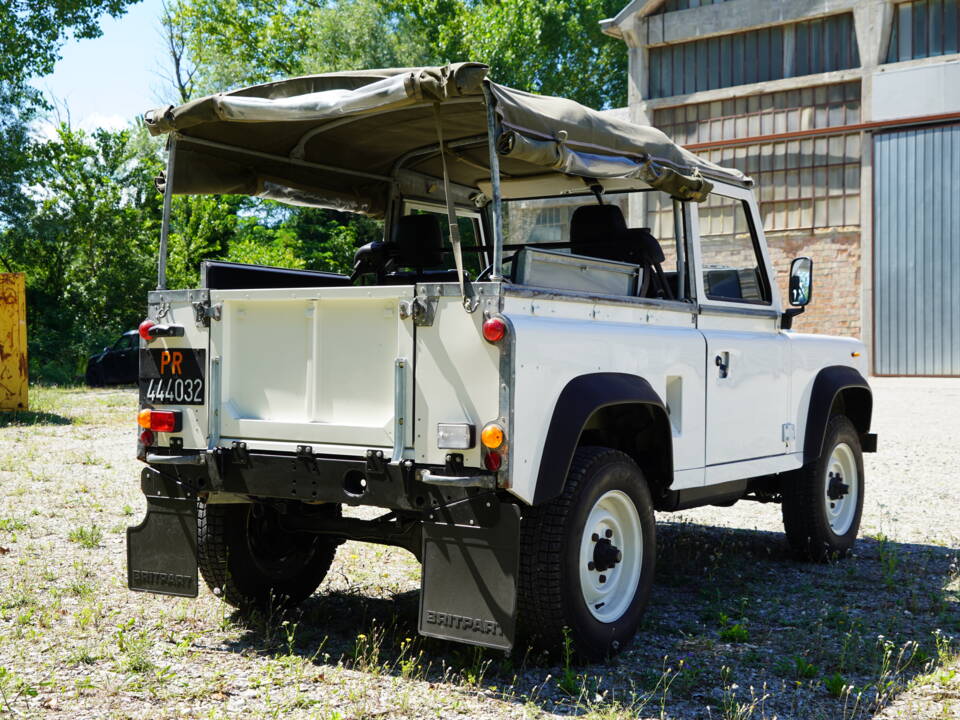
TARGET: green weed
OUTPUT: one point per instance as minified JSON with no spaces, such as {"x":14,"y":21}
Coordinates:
{"x":12,"y":525}
{"x":86,"y":537}
{"x":796,"y":667}
{"x":836,"y":685}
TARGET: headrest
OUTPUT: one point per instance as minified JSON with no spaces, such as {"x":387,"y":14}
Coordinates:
{"x":419,"y":241}
{"x":642,"y":247}
{"x":600,"y":224}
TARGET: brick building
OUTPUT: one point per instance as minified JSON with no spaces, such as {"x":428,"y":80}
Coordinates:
{"x":847,"y":115}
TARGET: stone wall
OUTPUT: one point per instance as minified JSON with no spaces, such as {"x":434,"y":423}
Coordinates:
{"x":835,"y":306}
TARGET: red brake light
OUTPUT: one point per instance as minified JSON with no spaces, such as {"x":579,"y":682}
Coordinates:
{"x":494,"y":329}
{"x":144,"y":329}
{"x":160,"y":420}
{"x":146,"y":438}
{"x":492,"y":461}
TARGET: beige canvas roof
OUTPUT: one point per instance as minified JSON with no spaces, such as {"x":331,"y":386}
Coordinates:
{"x":341,"y":139}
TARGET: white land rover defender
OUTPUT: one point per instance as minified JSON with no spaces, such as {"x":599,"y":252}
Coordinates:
{"x":570,"y":323}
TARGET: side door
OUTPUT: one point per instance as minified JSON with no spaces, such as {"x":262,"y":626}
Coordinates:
{"x":112,"y":363}
{"x":747,"y":358}
{"x":127,"y":362}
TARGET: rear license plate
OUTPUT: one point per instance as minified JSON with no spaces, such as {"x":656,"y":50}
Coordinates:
{"x":172,"y":377}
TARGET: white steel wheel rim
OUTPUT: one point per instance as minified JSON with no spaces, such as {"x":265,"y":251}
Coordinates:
{"x":841,"y":511}
{"x":614,"y":518}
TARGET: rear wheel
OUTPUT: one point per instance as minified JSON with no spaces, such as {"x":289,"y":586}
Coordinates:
{"x":587,"y":557}
{"x":249,"y":560}
{"x":823,"y":502}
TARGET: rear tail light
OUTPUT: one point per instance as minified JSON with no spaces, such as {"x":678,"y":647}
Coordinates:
{"x":146,"y":438}
{"x":160,"y":420}
{"x":493,"y":439}
{"x":492,"y":461}
{"x":494,"y":329}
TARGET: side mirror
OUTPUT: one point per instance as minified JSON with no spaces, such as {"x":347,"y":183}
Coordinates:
{"x":801,"y":281}
{"x":801,"y":288}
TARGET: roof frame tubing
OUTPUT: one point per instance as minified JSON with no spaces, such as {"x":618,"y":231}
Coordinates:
{"x":299,"y":150}
{"x":281,"y":158}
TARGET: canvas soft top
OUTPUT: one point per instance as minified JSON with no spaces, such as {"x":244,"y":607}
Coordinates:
{"x":341,"y":140}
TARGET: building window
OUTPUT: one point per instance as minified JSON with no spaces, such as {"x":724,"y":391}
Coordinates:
{"x":811,"y":108}
{"x":804,"y":48}
{"x":802,"y":184}
{"x":924,"y":28}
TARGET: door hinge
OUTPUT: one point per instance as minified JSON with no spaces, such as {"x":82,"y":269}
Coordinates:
{"x":789,"y":434}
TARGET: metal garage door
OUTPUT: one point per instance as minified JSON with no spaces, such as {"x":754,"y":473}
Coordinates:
{"x":917,"y":251}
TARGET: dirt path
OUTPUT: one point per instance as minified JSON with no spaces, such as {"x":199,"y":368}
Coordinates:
{"x":736,"y":628}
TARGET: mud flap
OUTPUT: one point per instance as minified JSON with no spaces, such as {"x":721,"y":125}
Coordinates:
{"x":162,"y":550}
{"x":469,"y":581}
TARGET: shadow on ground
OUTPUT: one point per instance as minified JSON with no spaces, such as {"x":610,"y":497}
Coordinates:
{"x":731,"y":610}
{"x":31,"y":418}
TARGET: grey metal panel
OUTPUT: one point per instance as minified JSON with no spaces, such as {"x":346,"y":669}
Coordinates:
{"x":917,"y":251}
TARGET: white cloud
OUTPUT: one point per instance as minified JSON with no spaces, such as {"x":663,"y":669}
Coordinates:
{"x":100,"y":120}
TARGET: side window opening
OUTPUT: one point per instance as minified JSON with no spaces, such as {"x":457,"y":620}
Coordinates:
{"x":730,"y":253}
{"x":540,"y":229}
{"x":471,"y":239}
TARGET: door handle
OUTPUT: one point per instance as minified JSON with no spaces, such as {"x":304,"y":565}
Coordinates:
{"x":723,"y":363}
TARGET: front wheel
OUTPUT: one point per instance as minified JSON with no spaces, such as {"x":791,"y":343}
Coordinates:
{"x":587,"y":557}
{"x":823,"y":502}
{"x":247,"y":557}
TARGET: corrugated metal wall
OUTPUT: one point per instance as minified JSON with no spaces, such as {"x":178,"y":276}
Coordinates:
{"x":917,"y":251}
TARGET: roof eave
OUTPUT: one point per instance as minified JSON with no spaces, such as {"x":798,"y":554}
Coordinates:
{"x":611,"y":26}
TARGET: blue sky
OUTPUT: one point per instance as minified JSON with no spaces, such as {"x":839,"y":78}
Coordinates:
{"x":107,"y":81}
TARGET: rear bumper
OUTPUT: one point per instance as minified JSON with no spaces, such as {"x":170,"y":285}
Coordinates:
{"x":467,"y":537}
{"x":318,"y":478}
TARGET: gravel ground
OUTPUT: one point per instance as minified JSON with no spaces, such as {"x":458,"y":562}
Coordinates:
{"x":736,"y":628}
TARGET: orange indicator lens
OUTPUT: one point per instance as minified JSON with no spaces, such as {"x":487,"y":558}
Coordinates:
{"x":492,"y":436}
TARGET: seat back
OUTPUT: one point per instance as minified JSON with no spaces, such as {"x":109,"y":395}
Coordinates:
{"x":596,"y":231}
{"x":643,"y":248}
{"x":419,"y":242}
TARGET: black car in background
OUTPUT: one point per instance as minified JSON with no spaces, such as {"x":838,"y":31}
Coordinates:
{"x":116,"y":365}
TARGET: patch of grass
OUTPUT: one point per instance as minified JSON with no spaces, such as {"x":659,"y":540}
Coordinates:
{"x":796,"y":667}
{"x":12,"y":688}
{"x":134,"y":648}
{"x":86,"y":537}
{"x":12,"y":525}
{"x":733,"y":632}
{"x":82,"y":656}
{"x":889,"y":559}
{"x":836,"y":685}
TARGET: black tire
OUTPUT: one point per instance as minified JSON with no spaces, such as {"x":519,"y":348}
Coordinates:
{"x":550,"y":600}
{"x":94,"y":377}
{"x":251,"y":563}
{"x":806,"y":507}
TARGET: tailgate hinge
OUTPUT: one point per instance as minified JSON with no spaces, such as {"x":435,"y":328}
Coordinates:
{"x":305,"y":455}
{"x":239,"y":455}
{"x":423,"y":307}
{"x":376,"y":465}
{"x":203,"y":311}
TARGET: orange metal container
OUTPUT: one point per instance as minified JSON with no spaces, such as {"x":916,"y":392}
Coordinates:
{"x":13,"y":342}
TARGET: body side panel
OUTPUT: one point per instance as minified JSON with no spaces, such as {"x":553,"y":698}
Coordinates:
{"x":557,"y":340}
{"x":457,"y":380}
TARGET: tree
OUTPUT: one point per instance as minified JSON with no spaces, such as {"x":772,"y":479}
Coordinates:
{"x":549,"y":46}
{"x":87,"y":246}
{"x":554,"y":47}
